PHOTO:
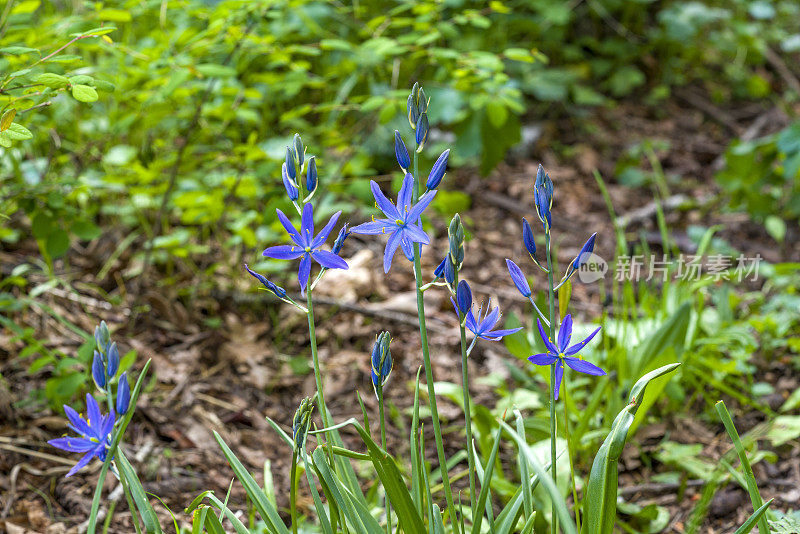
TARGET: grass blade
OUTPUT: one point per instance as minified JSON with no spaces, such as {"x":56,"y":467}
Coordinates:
{"x":752,"y":487}
{"x":149,"y":517}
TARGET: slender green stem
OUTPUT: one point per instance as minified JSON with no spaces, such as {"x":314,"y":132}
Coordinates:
{"x":426,"y":356}
{"x":293,"y":491}
{"x":383,"y":444}
{"x":468,"y":417}
{"x":577,"y":508}
{"x":312,"y":335}
{"x":553,"y":426}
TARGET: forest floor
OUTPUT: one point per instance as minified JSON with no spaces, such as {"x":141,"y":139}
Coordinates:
{"x":228,"y":378}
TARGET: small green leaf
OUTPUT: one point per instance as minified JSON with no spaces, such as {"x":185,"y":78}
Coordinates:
{"x":84,"y":93}
{"x":52,"y":80}
{"x":775,"y":227}
{"x":7,"y":119}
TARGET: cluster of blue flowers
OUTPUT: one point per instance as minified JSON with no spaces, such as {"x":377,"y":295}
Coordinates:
{"x":558,"y":353}
{"x":95,"y":430}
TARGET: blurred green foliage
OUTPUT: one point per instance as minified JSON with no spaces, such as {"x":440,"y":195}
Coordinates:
{"x":209,"y":92}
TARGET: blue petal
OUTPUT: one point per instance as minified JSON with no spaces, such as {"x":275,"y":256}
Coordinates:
{"x":542,"y":359}
{"x":304,"y":272}
{"x":329,"y":259}
{"x":420,"y":206}
{"x":73,"y":444}
{"x":323,"y":234}
{"x":559,"y":376}
{"x":83,"y":462}
{"x":407,"y":247}
{"x":406,"y":194}
{"x":384,"y":204}
{"x":582,"y":366}
{"x":93,"y":413}
{"x":578,"y":346}
{"x":547,"y":343}
{"x":289,"y":227}
{"x":391,"y":248}
{"x":497,"y":334}
{"x":381,"y":226}
{"x":283,"y":252}
{"x":415,"y":234}
{"x":80,"y":425}
{"x":464,"y":296}
{"x":565,"y":333}
{"x":307,"y":225}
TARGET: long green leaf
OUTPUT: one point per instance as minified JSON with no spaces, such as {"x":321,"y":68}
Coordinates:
{"x":268,"y":512}
{"x":752,"y":487}
{"x":149,"y":517}
{"x":748,"y":525}
{"x":322,"y":515}
{"x":486,"y":482}
{"x":600,"y":508}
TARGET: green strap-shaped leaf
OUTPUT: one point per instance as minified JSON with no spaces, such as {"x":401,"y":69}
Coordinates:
{"x":748,"y":525}
{"x":268,"y":512}
{"x":238,"y":526}
{"x":149,"y":517}
{"x":600,"y":508}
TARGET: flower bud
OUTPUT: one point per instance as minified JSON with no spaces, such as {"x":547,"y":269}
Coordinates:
{"x":300,"y":422}
{"x":438,"y":170}
{"x":464,"y":297}
{"x":421,"y":131}
{"x":288,"y":183}
{"x":98,"y":370}
{"x":123,"y":394}
{"x":586,"y":251}
{"x":311,"y":175}
{"x":413,"y":112}
{"x":102,"y":337}
{"x":290,"y":169}
{"x":449,"y":270}
{"x":272,"y":288}
{"x":299,"y":151}
{"x":401,"y":152}
{"x":439,"y":271}
{"x":518,"y":278}
{"x":543,"y":197}
{"x":455,"y":232}
{"x":344,"y":233}
{"x":113,"y":360}
{"x":381,"y":360}
{"x":527,"y":237}
{"x":422,"y":101}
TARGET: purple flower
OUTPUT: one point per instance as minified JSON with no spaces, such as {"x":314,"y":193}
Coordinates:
{"x":123,"y":394}
{"x":562,"y":353}
{"x":482,"y":325}
{"x":306,"y":246}
{"x":401,"y":152}
{"x":401,"y":222}
{"x":94,"y":434}
{"x":464,"y":297}
{"x":438,"y":170}
{"x":276,"y":290}
{"x":543,"y":196}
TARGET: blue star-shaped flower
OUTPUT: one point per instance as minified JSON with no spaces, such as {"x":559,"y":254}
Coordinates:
{"x":306,"y":245}
{"x":401,"y":222}
{"x":482,"y":325}
{"x":94,"y":434}
{"x":562,"y":353}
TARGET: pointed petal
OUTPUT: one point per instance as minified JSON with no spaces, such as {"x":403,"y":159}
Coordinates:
{"x":93,"y":413}
{"x":307,"y":225}
{"x":547,"y":343}
{"x":501,"y":333}
{"x":565,"y":333}
{"x":559,"y":376}
{"x":518,"y":278}
{"x":582,"y":366}
{"x":391,"y":248}
{"x":414,"y":233}
{"x":323,"y":234}
{"x":578,"y":346}
{"x":329,"y":259}
{"x":381,"y":226}
{"x":542,"y":359}
{"x":406,"y":194}
{"x":79,"y":424}
{"x":283,"y":252}
{"x":471,"y":323}
{"x":491,"y":319}
{"x":289,"y":227}
{"x":420,"y":206}
{"x":304,"y":272}
{"x":72,"y":444}
{"x":83,"y":462}
{"x":384,"y":204}
{"x":408,"y":248}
